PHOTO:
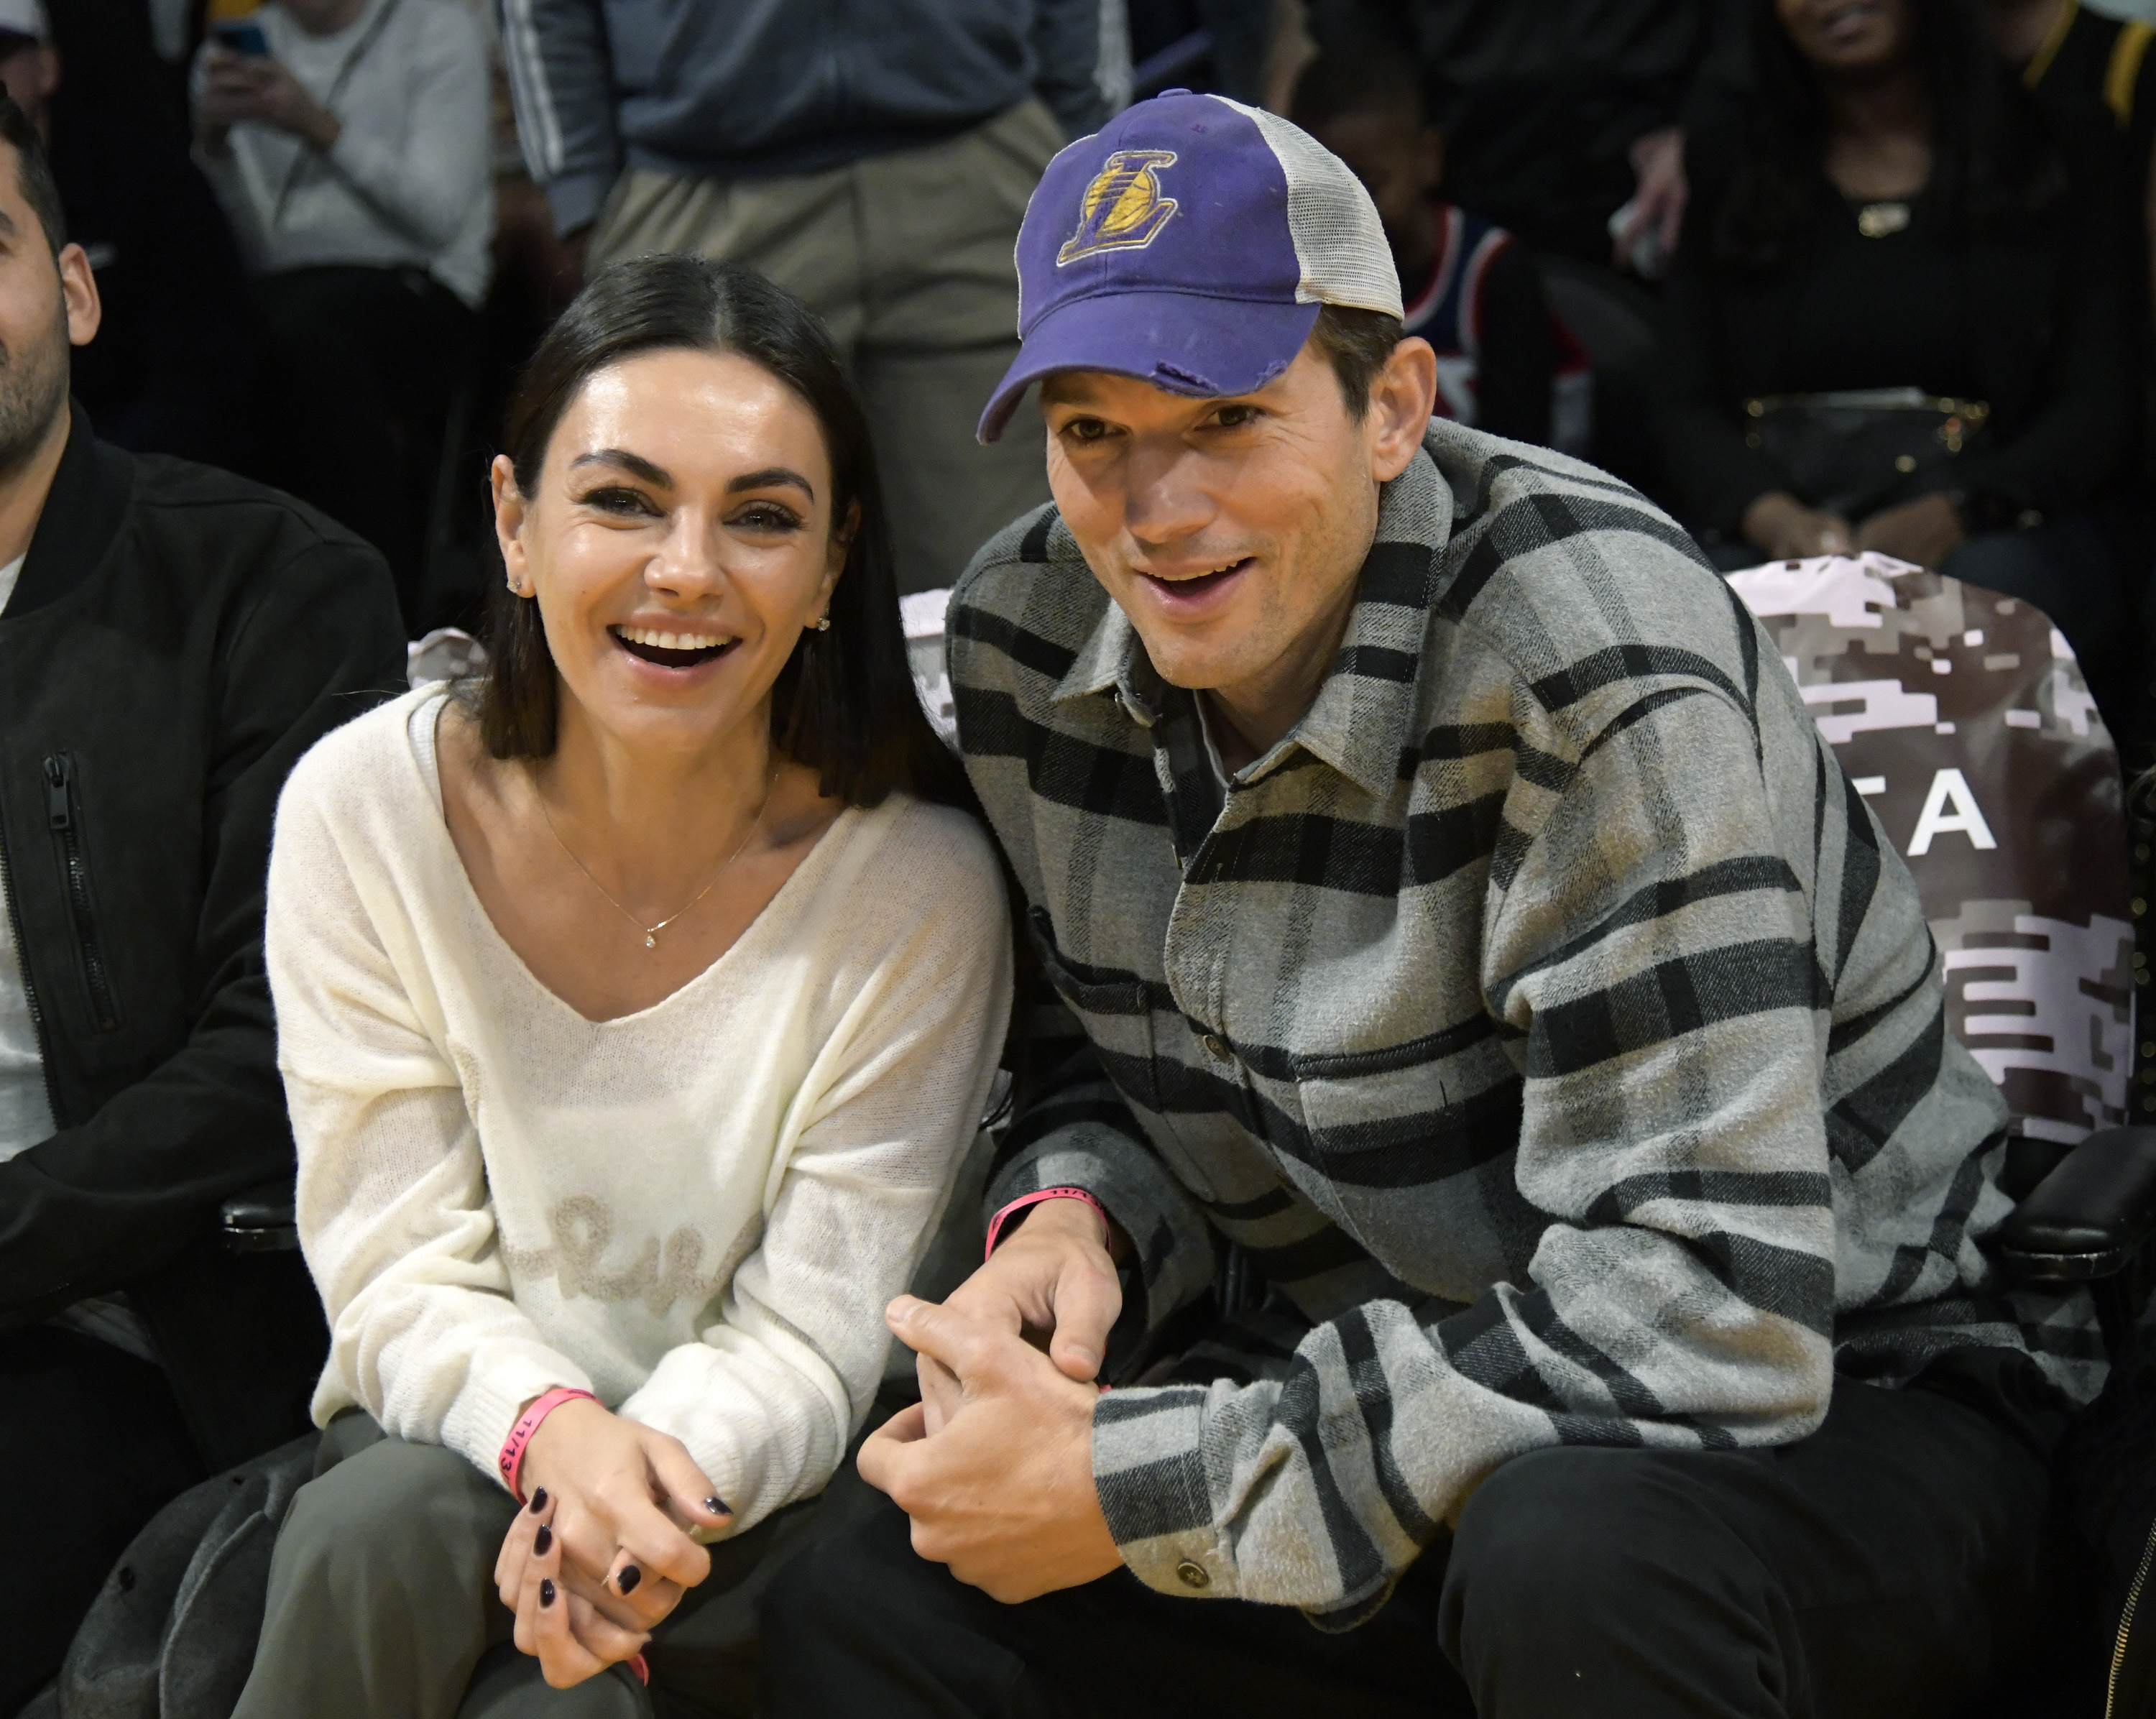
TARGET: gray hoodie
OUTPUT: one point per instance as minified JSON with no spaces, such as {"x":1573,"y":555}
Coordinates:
{"x":738,"y":88}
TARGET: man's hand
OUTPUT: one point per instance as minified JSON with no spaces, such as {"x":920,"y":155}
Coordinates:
{"x":1785,"y":529}
{"x":1003,"y":1493}
{"x":614,"y":1494}
{"x":239,"y":87}
{"x":1053,"y":1281}
{"x":1926,"y":531}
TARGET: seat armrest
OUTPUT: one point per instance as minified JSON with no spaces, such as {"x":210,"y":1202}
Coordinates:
{"x":261,"y":1220}
{"x":2086,"y":1218}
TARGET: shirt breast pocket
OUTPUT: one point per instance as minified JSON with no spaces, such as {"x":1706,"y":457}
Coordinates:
{"x":1113,"y":1005}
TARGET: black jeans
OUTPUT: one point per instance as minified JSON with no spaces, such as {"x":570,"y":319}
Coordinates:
{"x":1888,"y":1565}
{"x":359,"y":367}
{"x":91,"y":1446}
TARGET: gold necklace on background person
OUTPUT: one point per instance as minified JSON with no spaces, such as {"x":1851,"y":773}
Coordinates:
{"x":650,"y":933}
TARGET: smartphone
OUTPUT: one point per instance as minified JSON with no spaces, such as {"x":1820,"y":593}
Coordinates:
{"x":242,"y":36}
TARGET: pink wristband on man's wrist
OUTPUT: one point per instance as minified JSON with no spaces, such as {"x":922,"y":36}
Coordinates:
{"x":996,"y":1223}
{"x":519,"y":1435}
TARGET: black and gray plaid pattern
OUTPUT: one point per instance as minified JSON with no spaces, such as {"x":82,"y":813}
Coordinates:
{"x":1546,"y":1019}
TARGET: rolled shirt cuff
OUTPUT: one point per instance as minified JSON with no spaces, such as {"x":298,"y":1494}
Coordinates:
{"x":1149,"y":1471}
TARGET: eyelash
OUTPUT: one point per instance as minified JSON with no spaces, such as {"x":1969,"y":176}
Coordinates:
{"x":1086,"y":431}
{"x":612,"y":498}
{"x":778,"y":518}
{"x":760,"y":517}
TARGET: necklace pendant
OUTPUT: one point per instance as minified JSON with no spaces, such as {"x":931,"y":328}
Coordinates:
{"x":650,"y":940}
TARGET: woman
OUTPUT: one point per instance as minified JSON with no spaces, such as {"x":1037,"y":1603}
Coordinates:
{"x":635,"y":1007}
{"x":1893,"y":214}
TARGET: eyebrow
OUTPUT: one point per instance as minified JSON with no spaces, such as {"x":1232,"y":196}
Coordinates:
{"x":772,"y":477}
{"x":637,"y":466}
{"x":634,"y":463}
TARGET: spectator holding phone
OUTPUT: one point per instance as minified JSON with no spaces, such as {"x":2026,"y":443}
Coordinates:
{"x":348,"y":142}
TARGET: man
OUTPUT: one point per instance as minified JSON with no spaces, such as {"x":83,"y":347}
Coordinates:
{"x":354,"y":160}
{"x":873,"y":157}
{"x":1493,"y":995}
{"x":169,"y":371}
{"x":172,"y":640}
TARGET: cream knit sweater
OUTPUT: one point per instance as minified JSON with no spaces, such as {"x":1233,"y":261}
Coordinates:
{"x":697,"y":1211}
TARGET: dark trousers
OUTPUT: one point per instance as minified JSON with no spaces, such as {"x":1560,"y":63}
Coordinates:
{"x":359,"y":367}
{"x":1888,"y":1565}
{"x":91,"y":1447}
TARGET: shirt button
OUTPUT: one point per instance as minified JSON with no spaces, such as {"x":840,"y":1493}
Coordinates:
{"x":1216,"y":1048}
{"x":1193,"y":1575}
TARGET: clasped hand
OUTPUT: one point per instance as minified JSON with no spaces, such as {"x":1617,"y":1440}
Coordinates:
{"x":241,"y":87}
{"x":994,"y":1464}
{"x":600,"y":1557}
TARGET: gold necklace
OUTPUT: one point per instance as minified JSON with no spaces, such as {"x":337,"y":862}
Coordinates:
{"x":651,"y":932}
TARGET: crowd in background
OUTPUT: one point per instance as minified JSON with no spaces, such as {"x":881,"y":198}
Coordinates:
{"x":327,"y":231}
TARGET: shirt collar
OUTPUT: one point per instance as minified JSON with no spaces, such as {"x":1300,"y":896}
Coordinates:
{"x":1359,"y":723}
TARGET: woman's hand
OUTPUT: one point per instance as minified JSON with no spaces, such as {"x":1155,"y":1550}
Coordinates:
{"x":571,"y":1638}
{"x":1926,"y":531}
{"x":616,"y":1493}
{"x":239,"y":87}
{"x":1786,"y":530}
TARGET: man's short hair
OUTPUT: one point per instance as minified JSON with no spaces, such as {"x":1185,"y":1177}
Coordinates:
{"x":34,"y":171}
{"x":1359,"y":344}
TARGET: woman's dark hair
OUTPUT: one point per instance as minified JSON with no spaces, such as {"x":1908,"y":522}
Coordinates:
{"x":1995,"y":168}
{"x":845,"y":704}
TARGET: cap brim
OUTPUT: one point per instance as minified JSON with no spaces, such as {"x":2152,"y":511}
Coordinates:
{"x":1183,"y":343}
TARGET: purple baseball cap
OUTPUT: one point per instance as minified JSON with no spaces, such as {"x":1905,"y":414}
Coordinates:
{"x":1189,"y":243}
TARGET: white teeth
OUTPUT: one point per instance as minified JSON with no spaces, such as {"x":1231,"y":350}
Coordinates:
{"x":656,"y":640}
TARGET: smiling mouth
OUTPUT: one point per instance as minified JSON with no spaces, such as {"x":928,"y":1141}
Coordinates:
{"x":672,"y":650}
{"x":1199,"y":584}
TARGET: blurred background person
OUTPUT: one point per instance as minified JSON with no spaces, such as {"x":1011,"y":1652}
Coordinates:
{"x":1892,"y":213}
{"x":169,"y":371}
{"x":876,"y":163}
{"x":1565,"y":123}
{"x":1471,"y":288}
{"x":349,"y":142}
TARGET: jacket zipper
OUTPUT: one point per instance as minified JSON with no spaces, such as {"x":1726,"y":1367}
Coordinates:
{"x":61,"y":808}
{"x":29,"y":991}
{"x":2126,"y":1624}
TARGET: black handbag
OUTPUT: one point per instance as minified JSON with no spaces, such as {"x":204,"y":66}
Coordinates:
{"x":1854,"y":453}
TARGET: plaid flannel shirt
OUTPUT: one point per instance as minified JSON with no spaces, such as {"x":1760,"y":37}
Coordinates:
{"x":1545,"y":1017}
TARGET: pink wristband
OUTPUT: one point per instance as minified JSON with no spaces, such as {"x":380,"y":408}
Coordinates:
{"x":996,"y":1223}
{"x":519,"y":1435}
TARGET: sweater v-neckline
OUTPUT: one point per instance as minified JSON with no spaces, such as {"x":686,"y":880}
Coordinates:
{"x":429,"y":768}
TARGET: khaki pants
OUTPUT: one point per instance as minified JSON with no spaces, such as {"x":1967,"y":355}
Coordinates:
{"x":907,"y":258}
{"x":382,"y":1602}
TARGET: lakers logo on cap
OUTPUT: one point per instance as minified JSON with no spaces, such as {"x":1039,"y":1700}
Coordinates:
{"x":1122,"y":209}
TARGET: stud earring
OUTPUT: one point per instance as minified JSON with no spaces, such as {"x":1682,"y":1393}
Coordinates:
{"x":823,"y":622}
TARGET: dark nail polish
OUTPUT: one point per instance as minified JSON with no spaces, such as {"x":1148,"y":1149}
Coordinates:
{"x":717,"y":1506}
{"x":538,"y":1501}
{"x":542,"y":1543}
{"x":546,"y":1591}
{"x":629,"y":1578}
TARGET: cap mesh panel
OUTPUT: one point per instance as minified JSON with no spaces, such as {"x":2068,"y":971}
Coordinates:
{"x":1330,"y":220}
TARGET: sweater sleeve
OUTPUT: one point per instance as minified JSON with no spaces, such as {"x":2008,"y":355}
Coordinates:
{"x":1651,"y":957}
{"x":427,"y":179}
{"x":561,"y":79}
{"x":768,"y":1399}
{"x":393,"y":1212}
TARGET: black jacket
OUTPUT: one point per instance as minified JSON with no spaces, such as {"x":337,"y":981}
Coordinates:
{"x":178,"y":638}
{"x":2045,"y":312}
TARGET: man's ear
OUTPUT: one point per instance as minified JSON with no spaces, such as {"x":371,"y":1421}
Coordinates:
{"x":1402,"y":398}
{"x":79,"y":296}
